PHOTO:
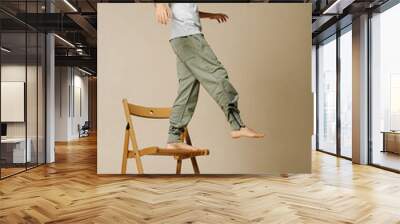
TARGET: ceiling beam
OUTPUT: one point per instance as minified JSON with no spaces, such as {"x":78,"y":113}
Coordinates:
{"x":83,"y":61}
{"x":84,"y":24}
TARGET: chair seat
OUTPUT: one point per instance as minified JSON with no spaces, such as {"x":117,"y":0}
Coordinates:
{"x":135,"y":152}
{"x":182,"y":153}
{"x":179,"y":153}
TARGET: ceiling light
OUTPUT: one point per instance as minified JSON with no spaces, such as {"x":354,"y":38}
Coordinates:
{"x":338,"y":6}
{"x":328,"y":10}
{"x":84,"y":71}
{"x":5,"y":50}
{"x":70,"y":5}
{"x":64,"y":40}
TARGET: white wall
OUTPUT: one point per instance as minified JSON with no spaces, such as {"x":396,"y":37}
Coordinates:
{"x":68,"y":81}
{"x":79,"y":117}
{"x":12,"y":73}
{"x":62,"y":80}
{"x":268,"y":65}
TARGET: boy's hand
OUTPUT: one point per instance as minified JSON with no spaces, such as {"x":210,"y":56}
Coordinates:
{"x":220,"y":17}
{"x":163,"y":13}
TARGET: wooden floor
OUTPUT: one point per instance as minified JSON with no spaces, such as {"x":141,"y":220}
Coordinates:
{"x":69,"y":191}
{"x":386,"y":159}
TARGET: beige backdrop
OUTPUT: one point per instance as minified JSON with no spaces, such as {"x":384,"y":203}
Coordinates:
{"x":266,"y":49}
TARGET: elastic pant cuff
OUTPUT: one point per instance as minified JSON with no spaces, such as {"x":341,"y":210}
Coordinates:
{"x":235,"y":120}
{"x":174,"y":139}
{"x":236,"y":126}
{"x":174,"y":134}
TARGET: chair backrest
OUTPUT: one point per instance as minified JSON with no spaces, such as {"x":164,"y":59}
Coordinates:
{"x":147,"y":112}
{"x":140,"y":111}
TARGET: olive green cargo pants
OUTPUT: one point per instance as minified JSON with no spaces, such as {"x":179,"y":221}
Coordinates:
{"x":197,"y":65}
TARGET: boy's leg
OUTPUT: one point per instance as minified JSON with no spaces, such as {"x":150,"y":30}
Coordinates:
{"x":185,"y":103}
{"x":200,"y":60}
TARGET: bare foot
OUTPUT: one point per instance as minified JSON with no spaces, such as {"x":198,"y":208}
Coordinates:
{"x":246,"y":132}
{"x":180,"y":145}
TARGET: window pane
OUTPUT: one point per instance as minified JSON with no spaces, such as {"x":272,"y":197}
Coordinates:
{"x":327,"y":96}
{"x":346,"y":94}
{"x":386,"y":88}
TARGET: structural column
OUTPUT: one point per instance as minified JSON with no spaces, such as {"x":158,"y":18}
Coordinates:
{"x":360,"y":89}
{"x":50,"y":92}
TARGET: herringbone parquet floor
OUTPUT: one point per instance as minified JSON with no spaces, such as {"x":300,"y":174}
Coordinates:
{"x":69,"y":191}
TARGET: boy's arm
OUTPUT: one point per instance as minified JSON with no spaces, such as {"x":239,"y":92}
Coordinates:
{"x":220,"y":17}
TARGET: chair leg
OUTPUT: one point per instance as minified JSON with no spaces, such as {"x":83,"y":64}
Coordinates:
{"x":125,"y":153}
{"x":178,"y":166}
{"x":139,"y":165}
{"x":195,"y":166}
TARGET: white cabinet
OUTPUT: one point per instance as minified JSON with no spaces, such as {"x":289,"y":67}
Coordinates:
{"x":17,"y":145}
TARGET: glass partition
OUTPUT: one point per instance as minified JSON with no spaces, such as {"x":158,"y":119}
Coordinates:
{"x":31,"y":99}
{"x":41,"y":97}
{"x":22,"y":63}
{"x":326,"y":132}
{"x":334,"y":94}
{"x":14,"y":153}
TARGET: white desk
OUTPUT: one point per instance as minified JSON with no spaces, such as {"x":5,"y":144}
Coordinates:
{"x":18,"y":149}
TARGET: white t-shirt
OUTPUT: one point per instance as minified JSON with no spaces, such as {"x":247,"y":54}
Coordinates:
{"x":185,"y":19}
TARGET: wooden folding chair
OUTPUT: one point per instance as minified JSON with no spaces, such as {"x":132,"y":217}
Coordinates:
{"x":136,"y":153}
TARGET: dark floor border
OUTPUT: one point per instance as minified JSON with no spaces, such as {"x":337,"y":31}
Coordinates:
{"x":385,"y":168}
{"x":22,"y":171}
{"x":370,"y":164}
{"x":335,"y":155}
